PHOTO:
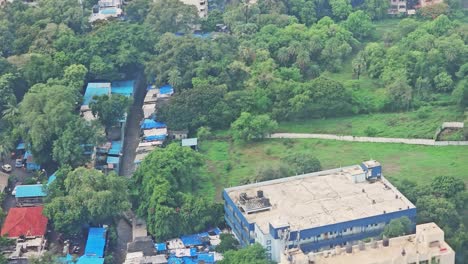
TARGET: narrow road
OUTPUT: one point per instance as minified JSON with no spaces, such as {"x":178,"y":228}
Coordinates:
{"x":409,"y":141}
{"x":132,"y":132}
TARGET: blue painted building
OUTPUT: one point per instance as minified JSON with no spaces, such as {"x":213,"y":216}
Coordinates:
{"x":315,"y":211}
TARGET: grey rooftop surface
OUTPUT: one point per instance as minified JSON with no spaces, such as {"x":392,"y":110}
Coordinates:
{"x":321,"y":198}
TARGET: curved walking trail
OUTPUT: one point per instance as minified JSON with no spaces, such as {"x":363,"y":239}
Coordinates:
{"x":409,"y":141}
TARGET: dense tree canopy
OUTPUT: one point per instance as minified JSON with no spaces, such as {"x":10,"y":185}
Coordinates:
{"x":165,"y":186}
{"x":85,"y":196}
{"x":254,"y":254}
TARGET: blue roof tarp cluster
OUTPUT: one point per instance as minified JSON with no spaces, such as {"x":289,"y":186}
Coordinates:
{"x":116,"y":147}
{"x":113,"y":160}
{"x":160,"y":247}
{"x":207,"y":258}
{"x":201,"y":35}
{"x":123,"y":87}
{"x":150,"y":124}
{"x":155,"y":137}
{"x":192,"y":240}
{"x":95,"y":89}
{"x":90,"y":260}
{"x":33,"y":190}
{"x":96,"y":242}
{"x":166,"y":89}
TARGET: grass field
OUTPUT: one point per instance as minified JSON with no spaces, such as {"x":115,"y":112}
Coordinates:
{"x":404,"y":125}
{"x":229,"y":163}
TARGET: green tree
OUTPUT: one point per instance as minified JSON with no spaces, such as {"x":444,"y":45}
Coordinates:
{"x":443,"y":82}
{"x":249,"y":127}
{"x":461,"y":92}
{"x":6,"y":91}
{"x":44,"y":114}
{"x":440,"y":211}
{"x":341,"y":8}
{"x":137,"y":10}
{"x":85,"y":196}
{"x":46,"y":258}
{"x":228,"y":242}
{"x":360,"y":24}
{"x":300,"y":163}
{"x":376,"y":9}
{"x":69,"y":148}
{"x":164,"y":187}
{"x":253,"y":254}
{"x":398,"y":227}
{"x":110,"y":109}
{"x":447,"y":186}
{"x":74,"y":76}
{"x":171,"y":16}
{"x":400,"y":94}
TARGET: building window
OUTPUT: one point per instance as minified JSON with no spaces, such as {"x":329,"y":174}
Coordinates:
{"x":268,"y":242}
{"x":424,"y":262}
{"x":268,"y":248}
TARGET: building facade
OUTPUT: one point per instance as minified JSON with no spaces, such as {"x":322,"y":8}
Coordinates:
{"x":201,"y":5}
{"x":426,"y":246}
{"x":316,"y":211}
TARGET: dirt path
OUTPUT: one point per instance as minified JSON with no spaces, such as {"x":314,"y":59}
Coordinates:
{"x":132,"y":132}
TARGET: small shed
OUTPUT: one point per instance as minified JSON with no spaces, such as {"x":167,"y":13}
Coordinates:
{"x":178,"y":134}
{"x":190,"y":142}
{"x":29,"y":195}
{"x":31,"y":165}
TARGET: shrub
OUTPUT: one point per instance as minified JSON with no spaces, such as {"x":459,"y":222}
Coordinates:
{"x":371,"y":131}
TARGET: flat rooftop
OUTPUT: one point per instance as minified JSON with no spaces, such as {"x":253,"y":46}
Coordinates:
{"x":321,"y":198}
{"x":416,"y":248}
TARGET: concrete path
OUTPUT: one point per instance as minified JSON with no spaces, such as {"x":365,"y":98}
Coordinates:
{"x":132,"y":131}
{"x":409,"y":141}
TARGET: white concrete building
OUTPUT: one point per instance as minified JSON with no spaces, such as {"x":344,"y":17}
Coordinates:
{"x":425,"y":247}
{"x":316,"y":211}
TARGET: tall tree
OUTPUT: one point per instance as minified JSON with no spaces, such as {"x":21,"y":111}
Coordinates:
{"x":165,"y":185}
{"x":69,"y":148}
{"x":254,"y":254}
{"x":44,"y":114}
{"x":85,"y":196}
{"x":171,"y":16}
{"x":251,"y":127}
{"x":110,"y":109}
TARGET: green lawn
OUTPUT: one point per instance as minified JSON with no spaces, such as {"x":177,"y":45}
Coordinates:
{"x":404,"y":125}
{"x":229,"y":163}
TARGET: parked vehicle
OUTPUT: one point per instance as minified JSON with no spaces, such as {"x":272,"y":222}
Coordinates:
{"x":7,"y":168}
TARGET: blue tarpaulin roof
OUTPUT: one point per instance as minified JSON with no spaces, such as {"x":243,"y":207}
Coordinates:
{"x":95,"y":89}
{"x":113,"y":160}
{"x":191,"y":240}
{"x":20,"y":146}
{"x":123,"y":87}
{"x":150,"y":123}
{"x":33,"y":190}
{"x":90,"y":260}
{"x":155,"y":138}
{"x":206,"y":257}
{"x":116,"y":147}
{"x":174,"y":260}
{"x":201,"y":35}
{"x":166,"y":89}
{"x":160,"y":247}
{"x":96,"y":242}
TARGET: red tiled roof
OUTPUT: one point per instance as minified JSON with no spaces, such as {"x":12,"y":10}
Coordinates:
{"x":27,"y":221}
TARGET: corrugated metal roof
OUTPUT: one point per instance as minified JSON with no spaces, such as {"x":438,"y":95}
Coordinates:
{"x":122,"y":87}
{"x":94,"y":89}
{"x":90,"y":260}
{"x":116,"y":147}
{"x":33,"y":190}
{"x":96,"y":242}
{"x":113,"y":160}
{"x":27,"y":221}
